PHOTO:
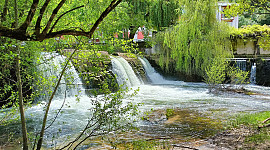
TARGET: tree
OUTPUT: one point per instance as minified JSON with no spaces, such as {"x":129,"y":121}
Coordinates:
{"x":132,"y":14}
{"x":242,"y":6}
{"x":250,"y":11}
{"x":37,"y":26}
{"x":196,"y":40}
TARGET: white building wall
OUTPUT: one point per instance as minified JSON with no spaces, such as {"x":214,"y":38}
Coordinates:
{"x":233,"y":21}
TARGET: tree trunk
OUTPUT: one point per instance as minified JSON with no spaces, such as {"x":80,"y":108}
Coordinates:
{"x":19,"y":85}
{"x":133,"y":30}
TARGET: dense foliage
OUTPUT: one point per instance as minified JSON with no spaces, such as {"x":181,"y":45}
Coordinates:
{"x":257,"y":33}
{"x":250,"y":11}
{"x":195,"y":40}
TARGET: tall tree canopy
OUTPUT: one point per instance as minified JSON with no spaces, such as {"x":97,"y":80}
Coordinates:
{"x":39,"y":20}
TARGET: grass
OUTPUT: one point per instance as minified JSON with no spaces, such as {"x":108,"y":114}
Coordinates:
{"x":145,"y":145}
{"x":253,"y":120}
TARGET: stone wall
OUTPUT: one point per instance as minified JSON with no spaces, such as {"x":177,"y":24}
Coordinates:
{"x":263,"y":72}
{"x":248,"y":48}
{"x":172,"y":73}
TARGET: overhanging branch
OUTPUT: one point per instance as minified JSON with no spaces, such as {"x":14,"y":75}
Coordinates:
{"x":113,"y":4}
{"x":41,"y":12}
{"x":22,"y":34}
{"x":30,"y":15}
{"x":62,"y":16}
{"x":55,"y":11}
{"x":66,"y":32}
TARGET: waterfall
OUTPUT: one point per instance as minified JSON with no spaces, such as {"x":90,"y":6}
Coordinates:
{"x":51,"y":65}
{"x":253,"y":74}
{"x":241,"y":64}
{"x":155,"y":77}
{"x":124,"y":72}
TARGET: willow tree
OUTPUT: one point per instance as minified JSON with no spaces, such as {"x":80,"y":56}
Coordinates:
{"x":250,"y":11}
{"x":153,"y":14}
{"x":196,"y":40}
{"x":164,"y":13}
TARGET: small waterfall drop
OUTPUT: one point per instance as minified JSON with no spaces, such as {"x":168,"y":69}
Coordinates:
{"x":253,"y":74}
{"x":124,"y":72}
{"x":51,"y":65}
{"x":241,"y":64}
{"x":155,"y":77}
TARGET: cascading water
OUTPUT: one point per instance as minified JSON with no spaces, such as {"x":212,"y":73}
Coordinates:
{"x":124,"y":72}
{"x":253,"y":74}
{"x":155,"y":77}
{"x":241,"y":64}
{"x":70,"y":98}
{"x":51,"y":65}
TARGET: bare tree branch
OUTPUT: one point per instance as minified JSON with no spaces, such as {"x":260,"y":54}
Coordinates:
{"x":22,"y":34}
{"x":39,"y":144}
{"x":113,"y":4}
{"x":14,"y":33}
{"x":81,"y":134}
{"x":54,"y":118}
{"x":268,"y":119}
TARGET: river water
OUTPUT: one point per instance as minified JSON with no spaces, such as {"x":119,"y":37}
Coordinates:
{"x":159,"y":94}
{"x":166,"y":93}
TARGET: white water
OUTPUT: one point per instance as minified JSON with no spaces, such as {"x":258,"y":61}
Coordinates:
{"x":154,"y":76}
{"x":124,"y":72}
{"x":253,"y":74}
{"x":51,"y":65}
{"x":162,"y":93}
{"x":70,"y":94}
{"x":241,"y":64}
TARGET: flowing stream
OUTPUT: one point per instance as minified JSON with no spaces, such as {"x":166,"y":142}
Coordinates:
{"x":160,"y":94}
{"x":196,"y":96}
